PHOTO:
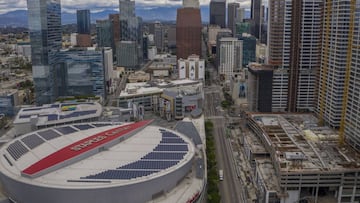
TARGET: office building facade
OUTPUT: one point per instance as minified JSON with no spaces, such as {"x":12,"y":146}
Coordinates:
{"x":188,"y":32}
{"x":127,"y":54}
{"x":249,"y":49}
{"x":104,"y":30}
{"x":256,"y":17}
{"x":44,"y":18}
{"x":83,"y":21}
{"x":232,"y":16}
{"x":218,"y":13}
{"x":295,"y":50}
{"x":82,"y":72}
{"x":230,"y":56}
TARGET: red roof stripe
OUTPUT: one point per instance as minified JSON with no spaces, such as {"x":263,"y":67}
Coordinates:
{"x":71,"y":151}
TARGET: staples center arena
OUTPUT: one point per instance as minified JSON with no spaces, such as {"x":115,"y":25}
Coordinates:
{"x":95,"y":162}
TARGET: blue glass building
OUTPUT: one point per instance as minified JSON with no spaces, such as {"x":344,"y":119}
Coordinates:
{"x":83,"y":72}
{"x":83,"y":21}
{"x":45,"y":34}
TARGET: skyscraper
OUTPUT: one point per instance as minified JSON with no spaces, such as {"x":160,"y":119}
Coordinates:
{"x":115,"y":20}
{"x":295,"y":49}
{"x":338,"y":103}
{"x":218,"y":13}
{"x":230,"y":56}
{"x":45,"y":34}
{"x":232,"y":16}
{"x":83,"y":37}
{"x":188,"y":30}
{"x":83,"y":21}
{"x":130,"y":25}
{"x":104,"y":33}
{"x":256,"y":17}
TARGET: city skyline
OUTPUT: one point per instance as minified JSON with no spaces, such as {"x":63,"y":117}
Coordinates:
{"x":94,"y":6}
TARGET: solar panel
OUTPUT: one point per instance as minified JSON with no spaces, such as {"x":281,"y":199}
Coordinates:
{"x":172,"y":140}
{"x":32,"y":141}
{"x":66,"y":130}
{"x":169,"y":134}
{"x":52,"y":117}
{"x":25,"y":116}
{"x":101,"y":124}
{"x":171,"y":148}
{"x":164,"y":156}
{"x":150,"y":164}
{"x":33,"y":109}
{"x":48,"y":134}
{"x":83,"y":127}
{"x":17,"y":149}
{"x":120,"y":174}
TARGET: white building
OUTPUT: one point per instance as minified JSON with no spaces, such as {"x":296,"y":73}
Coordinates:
{"x":230,"y":56}
{"x":152,"y":51}
{"x":192,"y":68}
{"x":108,"y":65}
{"x":295,"y":47}
{"x":101,"y":163}
{"x":73,"y":40}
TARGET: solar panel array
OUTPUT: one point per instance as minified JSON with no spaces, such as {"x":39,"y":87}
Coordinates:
{"x":32,"y":141}
{"x":119,"y":174}
{"x":83,"y":126}
{"x":17,"y":149}
{"x":101,"y":124}
{"x":66,"y":130}
{"x":78,"y":113}
{"x":169,"y":152}
{"x":164,"y":156}
{"x":48,"y":134}
{"x":149,"y":164}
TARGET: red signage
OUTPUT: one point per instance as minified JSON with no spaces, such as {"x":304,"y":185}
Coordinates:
{"x":71,"y":151}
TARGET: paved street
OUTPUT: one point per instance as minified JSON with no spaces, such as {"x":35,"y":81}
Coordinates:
{"x":230,"y":188}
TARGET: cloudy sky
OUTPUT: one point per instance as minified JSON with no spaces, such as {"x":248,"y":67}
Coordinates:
{"x":96,"y":5}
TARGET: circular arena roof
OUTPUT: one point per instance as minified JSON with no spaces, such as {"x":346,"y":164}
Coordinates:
{"x":94,"y":155}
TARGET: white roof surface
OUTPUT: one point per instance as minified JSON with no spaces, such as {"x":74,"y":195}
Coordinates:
{"x":125,"y":152}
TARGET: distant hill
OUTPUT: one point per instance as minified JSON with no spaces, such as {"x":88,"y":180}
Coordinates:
{"x":162,"y":13}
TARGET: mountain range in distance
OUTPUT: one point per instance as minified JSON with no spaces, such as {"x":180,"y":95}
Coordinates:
{"x":19,"y":18}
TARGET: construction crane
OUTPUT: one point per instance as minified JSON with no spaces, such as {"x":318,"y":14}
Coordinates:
{"x":347,"y":73}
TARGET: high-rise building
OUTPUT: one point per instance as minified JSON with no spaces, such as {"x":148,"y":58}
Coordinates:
{"x":230,"y":56}
{"x":45,"y":34}
{"x":104,"y":33}
{"x":129,"y":23}
{"x":220,"y":34}
{"x":157,"y":29}
{"x":130,"y":26}
{"x":256,"y":17}
{"x":115,"y":21}
{"x":295,"y":49}
{"x":188,"y":31}
{"x":83,"y":21}
{"x":351,"y":116}
{"x":259,"y":85}
{"x":82,"y":72}
{"x":232,"y":16}
{"x":339,"y":79}
{"x":127,"y":54}
{"x":249,"y":49}
{"x":218,"y":13}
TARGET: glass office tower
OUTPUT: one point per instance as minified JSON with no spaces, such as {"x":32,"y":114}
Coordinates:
{"x":83,"y":21}
{"x":45,"y":35}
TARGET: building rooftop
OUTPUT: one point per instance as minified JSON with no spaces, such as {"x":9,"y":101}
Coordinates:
{"x":89,"y":155}
{"x":58,"y":113}
{"x":298,"y":144}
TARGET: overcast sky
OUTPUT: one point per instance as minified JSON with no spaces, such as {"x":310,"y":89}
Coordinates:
{"x":96,"y":5}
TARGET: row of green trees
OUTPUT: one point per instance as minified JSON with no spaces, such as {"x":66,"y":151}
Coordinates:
{"x":213,"y":195}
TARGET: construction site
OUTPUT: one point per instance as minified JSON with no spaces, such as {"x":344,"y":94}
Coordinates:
{"x":294,"y":159}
